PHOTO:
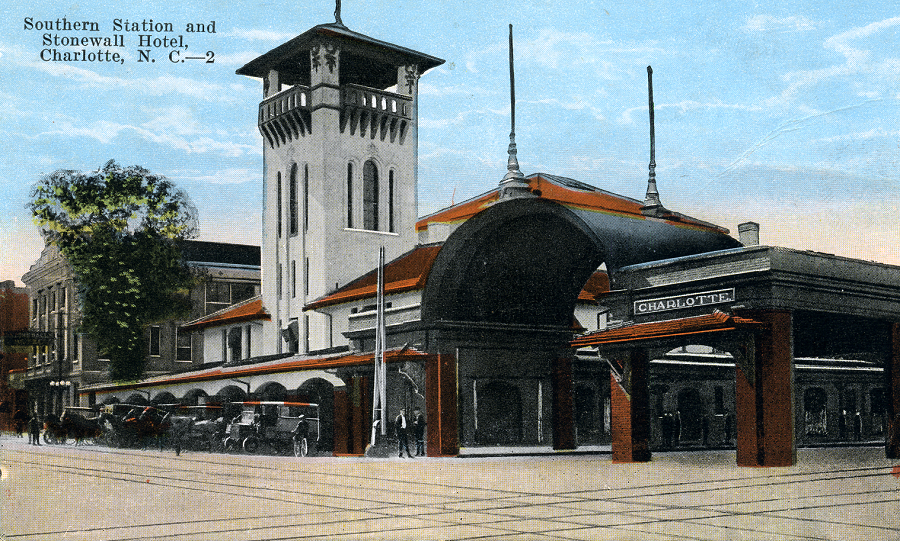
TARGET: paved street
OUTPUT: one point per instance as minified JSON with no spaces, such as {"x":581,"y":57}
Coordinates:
{"x":95,"y":493}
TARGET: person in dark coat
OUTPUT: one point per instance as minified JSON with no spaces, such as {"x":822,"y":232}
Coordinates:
{"x":401,"y":424}
{"x":19,"y":419}
{"x":34,"y":430}
{"x":419,"y":431}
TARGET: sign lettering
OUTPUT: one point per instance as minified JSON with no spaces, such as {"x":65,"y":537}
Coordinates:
{"x":682,"y":302}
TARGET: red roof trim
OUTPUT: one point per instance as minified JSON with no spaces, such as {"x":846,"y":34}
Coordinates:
{"x":595,"y":200}
{"x":715,"y":322}
{"x":406,"y":273}
{"x":291,"y":364}
{"x":251,"y":310}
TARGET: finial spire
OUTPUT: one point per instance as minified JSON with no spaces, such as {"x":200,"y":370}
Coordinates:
{"x":513,"y":183}
{"x":652,"y":203}
{"x":337,"y":13}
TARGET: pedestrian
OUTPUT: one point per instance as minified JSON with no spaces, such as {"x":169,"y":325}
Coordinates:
{"x":34,"y":430}
{"x":419,"y":431}
{"x":402,"y":426}
{"x":20,"y":418}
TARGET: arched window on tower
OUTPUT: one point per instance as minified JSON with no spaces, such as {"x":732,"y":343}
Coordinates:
{"x":278,"y":201}
{"x":306,"y":197}
{"x":370,"y":196}
{"x":293,"y":200}
{"x":391,"y":201}
{"x":349,"y":195}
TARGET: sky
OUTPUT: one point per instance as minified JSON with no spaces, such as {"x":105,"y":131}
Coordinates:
{"x":782,"y":113}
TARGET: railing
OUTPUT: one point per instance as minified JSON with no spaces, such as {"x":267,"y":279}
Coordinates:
{"x":296,"y":97}
{"x":378,"y":101}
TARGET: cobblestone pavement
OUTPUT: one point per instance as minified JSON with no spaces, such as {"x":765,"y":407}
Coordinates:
{"x":95,"y":493}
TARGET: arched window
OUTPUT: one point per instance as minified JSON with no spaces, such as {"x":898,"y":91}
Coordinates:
{"x":391,"y":201}
{"x":306,"y":197}
{"x":278,"y":201}
{"x":293,"y":200}
{"x":370,"y":196}
{"x":349,"y":195}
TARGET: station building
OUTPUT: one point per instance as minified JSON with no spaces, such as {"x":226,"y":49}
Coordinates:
{"x":544,"y":314}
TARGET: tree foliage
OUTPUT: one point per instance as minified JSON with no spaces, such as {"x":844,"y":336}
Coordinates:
{"x":120,"y":230}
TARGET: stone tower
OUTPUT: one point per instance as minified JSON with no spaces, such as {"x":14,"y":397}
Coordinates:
{"x":339,"y":125}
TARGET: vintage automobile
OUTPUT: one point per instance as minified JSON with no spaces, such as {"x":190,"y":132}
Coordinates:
{"x":281,"y":427}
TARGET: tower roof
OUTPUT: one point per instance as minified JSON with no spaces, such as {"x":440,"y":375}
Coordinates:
{"x":290,"y":60}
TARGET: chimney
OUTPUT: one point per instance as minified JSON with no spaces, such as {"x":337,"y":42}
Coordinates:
{"x":748,"y":233}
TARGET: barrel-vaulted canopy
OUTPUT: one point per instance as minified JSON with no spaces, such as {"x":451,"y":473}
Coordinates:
{"x":524,"y":260}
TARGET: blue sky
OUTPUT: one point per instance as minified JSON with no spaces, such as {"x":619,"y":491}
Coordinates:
{"x":781,"y":113}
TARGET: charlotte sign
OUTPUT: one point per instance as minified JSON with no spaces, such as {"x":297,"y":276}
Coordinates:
{"x":681,"y":302}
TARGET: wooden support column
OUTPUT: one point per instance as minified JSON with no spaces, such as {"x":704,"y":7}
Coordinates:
{"x":441,"y":395}
{"x":360,"y":400}
{"x":341,"y":422}
{"x":892,"y":384}
{"x":764,"y":396}
{"x":631,"y":409}
{"x":563,"y":404}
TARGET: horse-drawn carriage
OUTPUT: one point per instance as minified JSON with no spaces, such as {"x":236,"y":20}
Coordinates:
{"x":134,"y":425}
{"x":75,"y":423}
{"x":283,"y":427}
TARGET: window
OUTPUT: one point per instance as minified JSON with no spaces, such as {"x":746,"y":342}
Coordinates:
{"x":218,"y":296}
{"x":248,"y":351}
{"x":306,"y":197}
{"x":278,"y":202}
{"x":293,"y":200}
{"x":370,"y":196}
{"x":391,"y":201}
{"x":182,"y":346}
{"x":294,"y":278}
{"x":350,"y":195}
{"x":234,"y":344}
{"x":814,"y":411}
{"x":306,"y":276}
{"x":154,"y":341}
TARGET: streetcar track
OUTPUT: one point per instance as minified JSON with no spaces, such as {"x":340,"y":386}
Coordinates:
{"x":99,"y":462}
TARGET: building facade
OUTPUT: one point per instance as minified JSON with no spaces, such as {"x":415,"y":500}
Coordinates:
{"x":57,"y":372}
{"x":13,"y":356}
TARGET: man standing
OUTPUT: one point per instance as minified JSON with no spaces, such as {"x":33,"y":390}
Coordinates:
{"x":419,"y":431}
{"x":402,"y":426}
{"x":34,"y":430}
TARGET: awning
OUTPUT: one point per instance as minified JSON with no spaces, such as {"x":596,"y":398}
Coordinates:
{"x":715,"y":322}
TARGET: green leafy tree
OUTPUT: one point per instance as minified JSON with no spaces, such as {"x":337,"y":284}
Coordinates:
{"x":120,"y":230}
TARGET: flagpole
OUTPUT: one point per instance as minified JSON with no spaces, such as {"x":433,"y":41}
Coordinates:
{"x":379,"y":391}
{"x":382,"y":339}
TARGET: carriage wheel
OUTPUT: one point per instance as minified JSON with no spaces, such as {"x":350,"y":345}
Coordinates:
{"x":49,"y":439}
{"x":251,"y":444}
{"x":229,"y":444}
{"x":301,"y":447}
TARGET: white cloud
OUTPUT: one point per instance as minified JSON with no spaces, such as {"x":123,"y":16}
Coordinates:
{"x":769,"y":23}
{"x":683,"y":107}
{"x":227,"y":176}
{"x":858,"y":62}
